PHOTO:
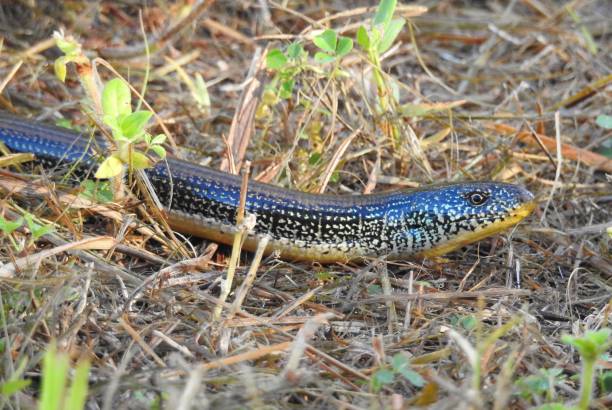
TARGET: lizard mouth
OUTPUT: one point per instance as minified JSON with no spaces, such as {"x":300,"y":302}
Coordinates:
{"x":514,"y":217}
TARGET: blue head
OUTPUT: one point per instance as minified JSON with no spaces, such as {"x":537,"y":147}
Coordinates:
{"x":446,"y":217}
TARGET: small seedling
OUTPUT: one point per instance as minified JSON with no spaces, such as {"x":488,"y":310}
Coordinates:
{"x":590,"y":346}
{"x":287,"y":65}
{"x":72,"y":54}
{"x":15,"y":383}
{"x":36,"y":230}
{"x":55,"y":394}
{"x":467,"y":322}
{"x":8,"y":227}
{"x":374,"y":41}
{"x":541,"y":384}
{"x":98,"y":191}
{"x":333,"y":47}
{"x":605,"y":382}
{"x":400,"y":365}
{"x":128,"y":129}
{"x":377,"y":39}
{"x":605,"y":122}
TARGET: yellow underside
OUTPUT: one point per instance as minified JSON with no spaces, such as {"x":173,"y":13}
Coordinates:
{"x":189,"y":225}
{"x":470,"y":237}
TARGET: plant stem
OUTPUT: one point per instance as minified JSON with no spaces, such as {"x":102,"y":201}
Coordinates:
{"x":586,"y":383}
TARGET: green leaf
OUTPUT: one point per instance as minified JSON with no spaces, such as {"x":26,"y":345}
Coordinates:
{"x":295,"y":50}
{"x":77,"y":394}
{"x":110,"y":167}
{"x":375,"y":35}
{"x":41,"y":231}
{"x":468,"y":322}
{"x":8,"y":227}
{"x":605,"y":382}
{"x":69,"y":46}
{"x":116,"y":98}
{"x":54,"y":374}
{"x":413,"y":377}
{"x":323,"y":58}
{"x":159,"y":151}
{"x":401,"y":365}
{"x":140,"y":160}
{"x":604,"y":121}
{"x":35,"y":229}
{"x":286,"y":88}
{"x":363,"y":39}
{"x":335,"y":177}
{"x":59,"y":66}
{"x":133,"y":125}
{"x":380,"y":378}
{"x":13,"y":386}
{"x":326,"y":41}
{"x":65,"y":123}
{"x":99,"y":191}
{"x":399,"y":361}
{"x":325,"y":276}
{"x":606,"y":152}
{"x":345,"y":45}
{"x":112,"y":122}
{"x":390,"y":34}
{"x":158,"y":139}
{"x":200,"y":93}
{"x":314,"y":158}
{"x":275,"y":60}
{"x":591,"y":344}
{"x":384,"y":12}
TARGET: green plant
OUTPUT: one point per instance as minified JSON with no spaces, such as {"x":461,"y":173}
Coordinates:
{"x":15,"y":383}
{"x":541,"y":384}
{"x":115,"y":108}
{"x":332,"y":46}
{"x":467,"y":322}
{"x":605,"y":122}
{"x":287,"y":66}
{"x":73,"y":53}
{"x":590,"y":346}
{"x":605,"y":382}
{"x":128,"y":129}
{"x":98,"y":191}
{"x":36,"y":230}
{"x":53,"y":393}
{"x":400,"y":365}
{"x":8,"y":227}
{"x":375,"y":40}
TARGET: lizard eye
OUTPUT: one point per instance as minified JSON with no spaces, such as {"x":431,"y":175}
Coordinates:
{"x":477,"y":198}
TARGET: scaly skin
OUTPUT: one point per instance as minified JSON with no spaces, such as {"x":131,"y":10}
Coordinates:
{"x":202,"y":202}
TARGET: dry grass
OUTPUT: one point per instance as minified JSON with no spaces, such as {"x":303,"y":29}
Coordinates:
{"x":141,"y":309}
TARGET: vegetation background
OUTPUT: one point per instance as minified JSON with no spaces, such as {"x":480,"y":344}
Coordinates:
{"x":322,"y":96}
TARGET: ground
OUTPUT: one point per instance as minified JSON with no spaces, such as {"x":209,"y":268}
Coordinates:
{"x":467,"y":91}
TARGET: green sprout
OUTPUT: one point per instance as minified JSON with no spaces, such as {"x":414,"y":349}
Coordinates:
{"x":590,"y":346}
{"x":400,"y":365}
{"x":55,"y":392}
{"x":333,"y":47}
{"x":542,"y":383}
{"x":377,"y":39}
{"x":36,"y":230}
{"x":287,"y":66}
{"x":128,"y":129}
